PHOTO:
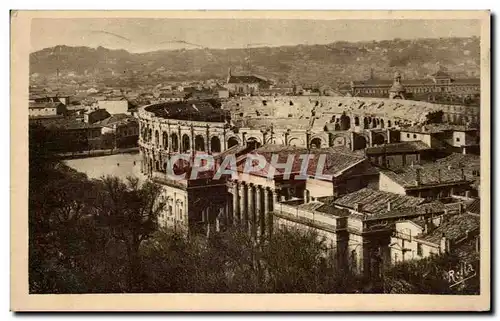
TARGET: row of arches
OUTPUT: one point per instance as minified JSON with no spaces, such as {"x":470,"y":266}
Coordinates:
{"x":172,"y":143}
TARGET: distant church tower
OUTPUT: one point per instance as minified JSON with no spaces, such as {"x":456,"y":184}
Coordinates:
{"x":397,"y":90}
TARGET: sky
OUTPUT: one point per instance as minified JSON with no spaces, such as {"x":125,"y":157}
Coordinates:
{"x":147,"y":34}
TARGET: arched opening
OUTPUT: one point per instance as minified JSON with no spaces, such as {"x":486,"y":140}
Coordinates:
{"x":215,"y":145}
{"x":382,"y":125}
{"x":365,"y":123}
{"x":253,"y":143}
{"x":186,"y":144}
{"x":337,"y":127}
{"x":165,"y":139}
{"x":345,"y":122}
{"x":232,"y":142}
{"x":199,"y":143}
{"x":356,"y":121}
{"x":378,"y":139}
{"x":157,"y":138}
{"x":175,"y":142}
{"x":315,"y":143}
{"x":360,"y":142}
{"x":150,"y":134}
{"x":389,"y":123}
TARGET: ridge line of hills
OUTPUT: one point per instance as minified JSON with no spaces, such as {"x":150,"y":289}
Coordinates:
{"x":340,"y":61}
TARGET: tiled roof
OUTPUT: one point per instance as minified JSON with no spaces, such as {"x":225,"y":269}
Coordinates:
{"x":437,"y":128}
{"x":45,"y":105}
{"x":474,"y":207}
{"x":374,"y":201}
{"x":336,"y":159}
{"x":403,"y":147}
{"x":424,"y":208}
{"x":430,"y":174}
{"x":454,"y":229}
{"x":117,"y":118}
{"x":459,"y":160}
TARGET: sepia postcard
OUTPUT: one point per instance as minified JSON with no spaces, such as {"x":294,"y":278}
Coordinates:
{"x":250,"y":161}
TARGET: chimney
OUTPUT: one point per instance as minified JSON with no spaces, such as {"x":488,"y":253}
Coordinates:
{"x":467,"y":194}
{"x":463,"y":174}
{"x":389,"y":206}
{"x":467,"y":234}
{"x":358,"y":207}
{"x":444,"y":245}
{"x":417,"y":176}
{"x":439,"y":175}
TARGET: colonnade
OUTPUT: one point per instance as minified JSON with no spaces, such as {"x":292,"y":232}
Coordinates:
{"x":252,"y":207}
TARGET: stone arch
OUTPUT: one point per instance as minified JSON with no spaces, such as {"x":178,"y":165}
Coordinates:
{"x":232,"y":141}
{"x":275,"y":140}
{"x":165,"y":139}
{"x":316,"y":142}
{"x":366,"y":122}
{"x":382,"y":124}
{"x":186,"y":143}
{"x":175,"y":142}
{"x":199,"y":143}
{"x":157,"y":137}
{"x":295,"y":141}
{"x":150,"y":134}
{"x":356,"y":121}
{"x":389,"y":123}
{"x":253,"y":142}
{"x":378,"y":139}
{"x":215,"y":146}
{"x":360,"y":142}
{"x":345,"y":122}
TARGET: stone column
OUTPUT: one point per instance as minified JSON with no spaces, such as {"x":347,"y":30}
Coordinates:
{"x":264,"y":220}
{"x":305,"y":196}
{"x":251,"y":209}
{"x":243,"y":215}
{"x":236,"y":205}
{"x":258,"y":210}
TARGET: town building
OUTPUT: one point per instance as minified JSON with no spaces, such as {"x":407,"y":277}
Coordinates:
{"x":421,"y":238}
{"x":46,"y":109}
{"x":436,"y":88}
{"x":95,"y":115}
{"x":427,"y":181}
{"x":245,"y":85}
{"x":118,"y":105}
{"x":125,"y":129}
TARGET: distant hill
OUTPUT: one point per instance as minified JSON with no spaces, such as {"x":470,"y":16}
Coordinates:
{"x":307,"y":64}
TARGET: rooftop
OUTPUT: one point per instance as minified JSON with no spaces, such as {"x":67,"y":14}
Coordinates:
{"x":116,"y":119}
{"x":336,"y":159}
{"x":474,"y":207}
{"x":375,"y":201}
{"x":429,"y":174}
{"x":437,"y":128}
{"x":403,"y":147}
{"x":454,"y":229}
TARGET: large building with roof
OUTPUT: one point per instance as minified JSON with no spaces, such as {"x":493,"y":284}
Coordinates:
{"x":437,"y":86}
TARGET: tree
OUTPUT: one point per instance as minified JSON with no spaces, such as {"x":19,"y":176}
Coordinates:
{"x":130,"y":211}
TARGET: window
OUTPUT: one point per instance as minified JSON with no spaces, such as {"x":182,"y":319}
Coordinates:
{"x":180,"y":214}
{"x":170,"y":211}
{"x":414,"y":135}
{"x":407,"y":135}
{"x":458,"y":139}
{"x":419,"y":249}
